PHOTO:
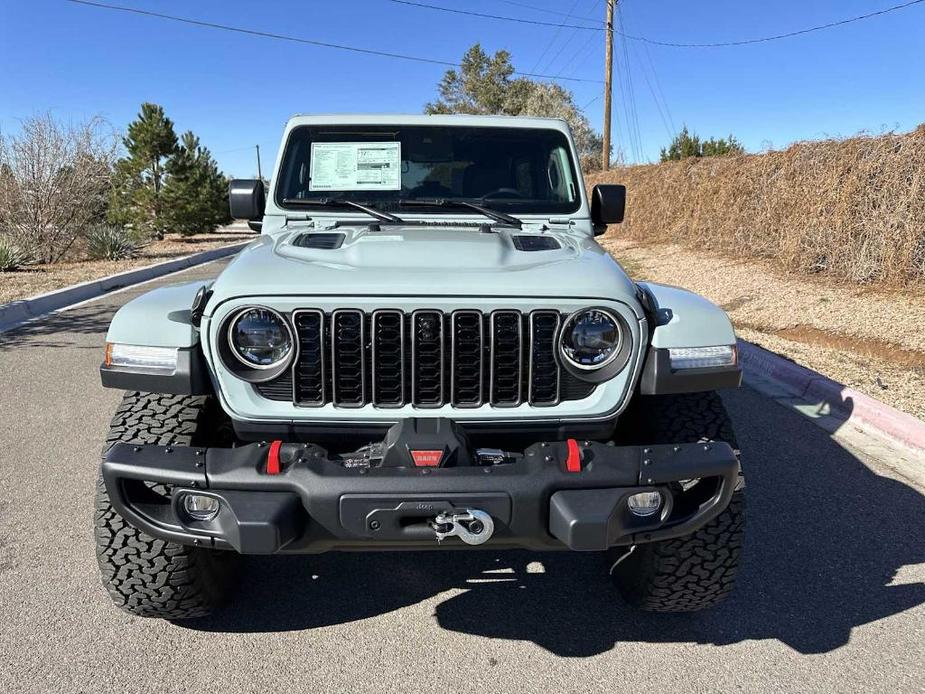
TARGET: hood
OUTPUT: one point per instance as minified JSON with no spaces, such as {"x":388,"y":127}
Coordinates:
{"x":417,"y":260}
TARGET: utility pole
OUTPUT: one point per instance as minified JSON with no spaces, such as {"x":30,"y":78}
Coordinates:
{"x":259,"y":172}
{"x":608,"y":82}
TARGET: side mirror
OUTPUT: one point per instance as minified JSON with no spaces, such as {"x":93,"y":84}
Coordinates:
{"x":247,"y":199}
{"x":608,"y":204}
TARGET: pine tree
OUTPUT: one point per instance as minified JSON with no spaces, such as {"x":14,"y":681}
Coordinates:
{"x":683,"y":145}
{"x":687,"y":144}
{"x":195,"y":197}
{"x":149,"y":143}
{"x":482,"y":85}
{"x":722,"y":146}
{"x":486,"y":84}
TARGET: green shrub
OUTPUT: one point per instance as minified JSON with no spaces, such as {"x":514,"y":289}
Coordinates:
{"x":11,"y":257}
{"x":109,"y":242}
{"x":687,"y":144}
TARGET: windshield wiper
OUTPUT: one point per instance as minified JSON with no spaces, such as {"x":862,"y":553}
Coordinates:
{"x":340,"y":202}
{"x":443,"y":202}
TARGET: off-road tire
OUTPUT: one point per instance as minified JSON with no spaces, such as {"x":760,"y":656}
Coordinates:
{"x":696,"y":571}
{"x":145,"y":576}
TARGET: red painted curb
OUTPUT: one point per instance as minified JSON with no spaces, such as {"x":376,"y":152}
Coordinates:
{"x":847,"y":402}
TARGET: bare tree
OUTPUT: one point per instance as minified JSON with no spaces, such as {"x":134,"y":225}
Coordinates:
{"x":552,"y":101}
{"x":54,"y":182}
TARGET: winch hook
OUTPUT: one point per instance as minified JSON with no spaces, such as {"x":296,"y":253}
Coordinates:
{"x":471,"y":526}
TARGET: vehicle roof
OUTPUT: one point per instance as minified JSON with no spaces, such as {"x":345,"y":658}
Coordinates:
{"x":427,"y":119}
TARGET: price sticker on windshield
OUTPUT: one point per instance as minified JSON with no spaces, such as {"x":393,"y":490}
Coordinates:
{"x":355,"y":166}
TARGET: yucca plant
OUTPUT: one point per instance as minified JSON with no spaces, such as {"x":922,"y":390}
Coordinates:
{"x":11,"y":256}
{"x":109,"y":242}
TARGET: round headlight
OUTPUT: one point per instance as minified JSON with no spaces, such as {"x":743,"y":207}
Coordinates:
{"x":591,"y":339}
{"x":260,"y":338}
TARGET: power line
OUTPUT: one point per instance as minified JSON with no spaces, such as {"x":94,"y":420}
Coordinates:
{"x":672,"y":44}
{"x":654,"y":96}
{"x":543,"y":9}
{"x":590,"y":102}
{"x":564,"y":45}
{"x":311,"y":42}
{"x":658,"y":88}
{"x":626,"y":100}
{"x":483,"y":15}
{"x":583,"y":53}
{"x":630,"y":88}
{"x":649,"y":83}
{"x":776,"y":37}
{"x":554,"y":37}
{"x":548,"y":67}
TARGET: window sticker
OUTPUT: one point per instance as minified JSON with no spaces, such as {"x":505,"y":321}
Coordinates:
{"x":355,"y":166}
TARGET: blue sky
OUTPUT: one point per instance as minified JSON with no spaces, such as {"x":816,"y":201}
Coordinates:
{"x":235,"y":91}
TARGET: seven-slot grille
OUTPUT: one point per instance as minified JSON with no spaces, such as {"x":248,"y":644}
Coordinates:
{"x":426,"y":358}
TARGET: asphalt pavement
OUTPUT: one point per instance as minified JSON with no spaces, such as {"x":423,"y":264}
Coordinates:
{"x":830,"y":597}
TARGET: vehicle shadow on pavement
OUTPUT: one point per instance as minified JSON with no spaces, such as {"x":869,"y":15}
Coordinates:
{"x":825,"y":539}
{"x":54,"y":330}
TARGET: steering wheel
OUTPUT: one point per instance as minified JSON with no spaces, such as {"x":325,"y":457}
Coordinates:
{"x":502,"y":193}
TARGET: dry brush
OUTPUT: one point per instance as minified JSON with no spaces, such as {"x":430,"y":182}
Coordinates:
{"x":851,"y":208}
{"x":54,"y":178}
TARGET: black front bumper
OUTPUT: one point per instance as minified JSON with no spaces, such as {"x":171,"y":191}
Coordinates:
{"x":316,"y":503}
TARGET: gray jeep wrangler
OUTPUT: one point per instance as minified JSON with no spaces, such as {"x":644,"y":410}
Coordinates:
{"x":425,"y":348}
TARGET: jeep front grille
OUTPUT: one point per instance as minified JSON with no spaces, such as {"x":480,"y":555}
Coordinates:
{"x":507,"y":343}
{"x":427,"y":365}
{"x":388,"y":361}
{"x":309,"y":372}
{"x":467,"y":363}
{"x":543,"y":367}
{"x":426,"y":359}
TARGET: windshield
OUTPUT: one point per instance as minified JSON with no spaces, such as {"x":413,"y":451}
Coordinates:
{"x":512,"y":169}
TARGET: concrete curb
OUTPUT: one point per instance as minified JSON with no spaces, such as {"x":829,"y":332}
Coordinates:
{"x":18,"y":312}
{"x":844,"y":402}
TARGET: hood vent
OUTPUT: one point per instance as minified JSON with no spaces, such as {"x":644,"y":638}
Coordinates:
{"x":535,"y":243}
{"x":323,"y":241}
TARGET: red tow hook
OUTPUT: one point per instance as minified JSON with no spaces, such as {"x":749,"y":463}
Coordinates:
{"x":573,"y":462}
{"x":273,"y":458}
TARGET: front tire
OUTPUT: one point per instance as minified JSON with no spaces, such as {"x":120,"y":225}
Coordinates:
{"x":146,"y":576}
{"x":696,"y":571}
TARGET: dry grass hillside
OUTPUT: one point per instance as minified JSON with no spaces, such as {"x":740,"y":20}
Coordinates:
{"x":853,"y":209}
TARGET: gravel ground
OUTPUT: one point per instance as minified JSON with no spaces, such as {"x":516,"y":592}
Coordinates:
{"x":870,"y":340}
{"x":39,"y":279}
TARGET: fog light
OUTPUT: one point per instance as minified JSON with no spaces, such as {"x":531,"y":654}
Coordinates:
{"x":199,"y":507}
{"x":644,"y":503}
